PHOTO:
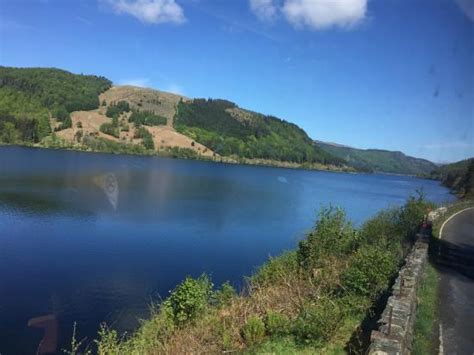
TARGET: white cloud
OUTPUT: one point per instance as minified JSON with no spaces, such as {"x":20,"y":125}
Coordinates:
{"x":140,"y":82}
{"x":314,"y":14}
{"x":150,"y":11}
{"x":264,"y":9}
{"x":320,"y":14}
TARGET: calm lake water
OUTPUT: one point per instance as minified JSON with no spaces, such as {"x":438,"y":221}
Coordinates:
{"x":95,"y":238}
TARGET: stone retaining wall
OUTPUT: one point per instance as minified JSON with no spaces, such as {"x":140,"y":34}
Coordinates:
{"x":395,"y":332}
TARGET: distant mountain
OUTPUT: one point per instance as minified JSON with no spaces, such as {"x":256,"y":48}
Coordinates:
{"x":459,"y":176}
{"x":376,"y":160}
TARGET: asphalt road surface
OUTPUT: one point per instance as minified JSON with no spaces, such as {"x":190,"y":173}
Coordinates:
{"x":454,"y":258}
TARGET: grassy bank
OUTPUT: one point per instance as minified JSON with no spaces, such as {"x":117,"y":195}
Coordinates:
{"x":425,"y":340}
{"x":312,"y":299}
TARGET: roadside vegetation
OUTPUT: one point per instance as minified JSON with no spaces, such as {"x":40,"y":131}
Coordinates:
{"x":312,"y":299}
{"x":425,"y":331}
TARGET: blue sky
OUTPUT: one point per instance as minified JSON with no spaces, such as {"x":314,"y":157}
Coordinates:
{"x":389,"y":74}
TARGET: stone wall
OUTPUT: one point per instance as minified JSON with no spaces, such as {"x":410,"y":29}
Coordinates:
{"x":395,"y":332}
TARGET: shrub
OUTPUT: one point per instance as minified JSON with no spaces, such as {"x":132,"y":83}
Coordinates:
{"x":110,"y":129}
{"x":411,"y":215}
{"x":369,"y":271}
{"x":60,"y":113}
{"x":147,"y":138}
{"x":108,"y":342}
{"x":115,"y":110}
{"x":79,"y":124}
{"x":333,"y":235}
{"x":275,"y":268}
{"x":381,"y":228}
{"x":147,"y":118}
{"x":189,"y":299}
{"x":9,"y":134}
{"x":185,"y":153}
{"x":223,"y":296}
{"x":67,"y":123}
{"x":277,"y":324}
{"x":317,"y":321}
{"x":253,"y":331}
{"x":78,"y":136}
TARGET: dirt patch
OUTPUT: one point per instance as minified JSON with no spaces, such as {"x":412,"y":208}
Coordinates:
{"x":159,"y":102}
{"x":166,"y":137}
{"x":90,"y":122}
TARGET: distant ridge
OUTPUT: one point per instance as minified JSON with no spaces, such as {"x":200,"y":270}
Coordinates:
{"x":379,"y":160}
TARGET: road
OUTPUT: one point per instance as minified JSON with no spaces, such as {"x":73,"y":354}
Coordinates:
{"x":454,"y":258}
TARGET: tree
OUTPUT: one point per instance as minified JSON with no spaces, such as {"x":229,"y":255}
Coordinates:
{"x":9,"y":134}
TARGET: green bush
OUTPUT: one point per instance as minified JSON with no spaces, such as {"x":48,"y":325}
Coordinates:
{"x":277,"y":324}
{"x":9,"y":134}
{"x":184,"y":153}
{"x":275,"y":269}
{"x":333,"y":235}
{"x":147,"y":118}
{"x":318,"y":321}
{"x":411,"y":215}
{"x":369,"y":271}
{"x":110,"y":129}
{"x":223,"y":296}
{"x":114,"y":110}
{"x":147,"y":138}
{"x":253,"y":331}
{"x":60,"y":113}
{"x":67,"y":123}
{"x":189,"y":299}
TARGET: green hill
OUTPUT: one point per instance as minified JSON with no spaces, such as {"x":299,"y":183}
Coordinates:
{"x":459,"y":176}
{"x":29,"y":96}
{"x":376,"y":160}
{"x":231,"y":131}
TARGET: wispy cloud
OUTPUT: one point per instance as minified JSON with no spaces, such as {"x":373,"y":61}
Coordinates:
{"x":150,"y":11}
{"x":140,"y":82}
{"x":313,"y":14}
{"x":174,"y":89}
{"x":265,"y":10}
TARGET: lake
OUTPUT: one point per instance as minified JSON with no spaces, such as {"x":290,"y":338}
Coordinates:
{"x":93,"y":238}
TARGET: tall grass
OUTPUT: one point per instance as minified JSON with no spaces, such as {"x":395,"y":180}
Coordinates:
{"x":424,"y":341}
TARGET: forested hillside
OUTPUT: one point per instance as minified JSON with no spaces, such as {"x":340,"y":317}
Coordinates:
{"x":376,"y":160}
{"x":36,"y":102}
{"x":231,"y":131}
{"x":459,"y":176}
{"x":29,"y":96}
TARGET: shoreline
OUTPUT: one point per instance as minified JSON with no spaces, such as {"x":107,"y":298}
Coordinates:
{"x":220,"y":160}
